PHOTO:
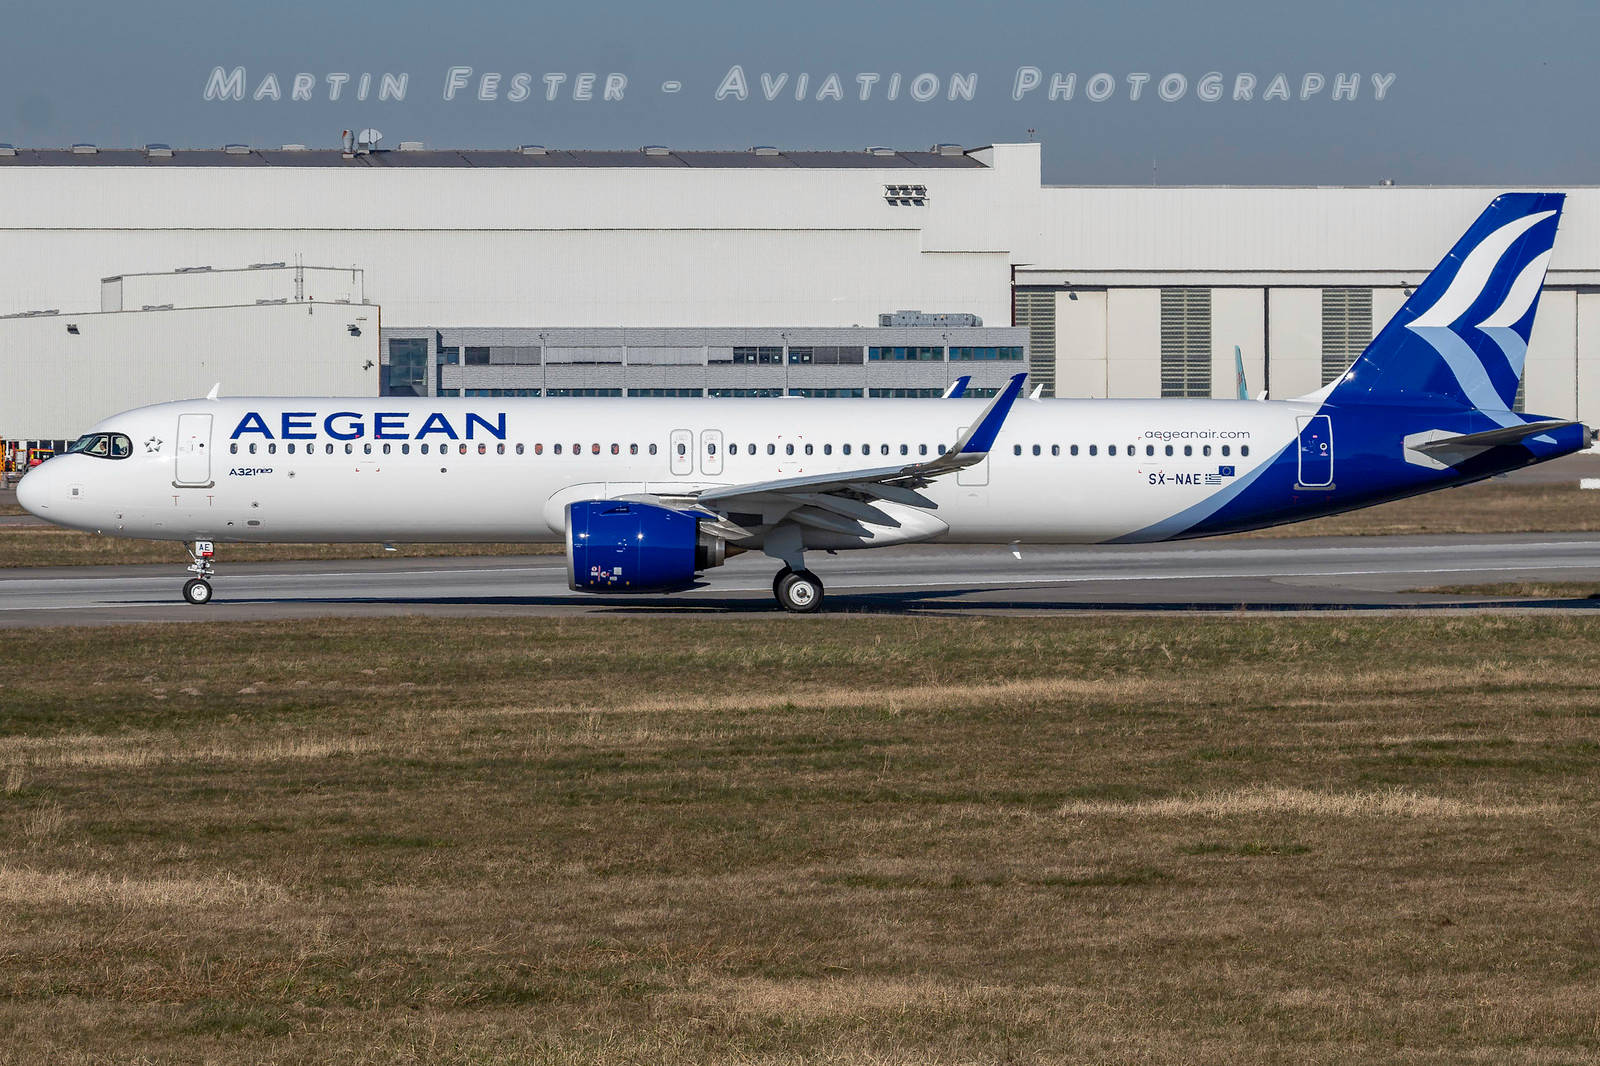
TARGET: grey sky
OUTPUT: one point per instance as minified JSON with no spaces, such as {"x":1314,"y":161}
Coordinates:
{"x":1483,"y":92}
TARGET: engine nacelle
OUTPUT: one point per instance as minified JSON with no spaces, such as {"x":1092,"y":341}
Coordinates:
{"x":623,"y":546}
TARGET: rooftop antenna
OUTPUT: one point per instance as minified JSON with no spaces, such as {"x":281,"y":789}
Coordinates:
{"x":299,"y":279}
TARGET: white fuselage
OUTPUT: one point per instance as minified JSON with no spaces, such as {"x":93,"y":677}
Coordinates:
{"x":497,"y":469}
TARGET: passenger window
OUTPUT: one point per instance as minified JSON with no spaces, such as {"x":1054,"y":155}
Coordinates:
{"x":683,"y":449}
{"x":808,"y":449}
{"x":1111,"y":449}
{"x":883,"y":449}
{"x":941,"y":449}
{"x":461,"y":449}
{"x":827,"y":449}
{"x":594,"y":449}
{"x":1074,"y":449}
{"x":1205,"y":449}
{"x":1055,"y":449}
{"x":405,"y":449}
{"x":866,"y":449}
{"x":1016,"y":449}
{"x":616,"y":449}
{"x":772,"y":449}
{"x":234,"y":448}
{"x":1188,"y":449}
{"x":555,"y":448}
{"x":386,"y":449}
{"x":922,"y":449}
{"x":1035,"y":449}
{"x":905,"y":449}
{"x":499,"y":449}
{"x":366,"y":449}
{"x":711,"y":448}
{"x":750,"y":449}
{"x":1094,"y":449}
{"x":483,"y":449}
{"x":633,"y":449}
{"x":1149,"y":449}
{"x":1169,"y":449}
{"x":1244,"y":449}
{"x":652,"y":449}
{"x":577,"y":449}
{"x":349,"y":449}
{"x":845,"y":448}
{"x":1224,"y":449}
{"x":788,"y":449}
{"x":252,"y":448}
{"x":289,"y":448}
{"x":538,"y":449}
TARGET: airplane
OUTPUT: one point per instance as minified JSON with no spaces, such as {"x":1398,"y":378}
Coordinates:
{"x":646,"y":495}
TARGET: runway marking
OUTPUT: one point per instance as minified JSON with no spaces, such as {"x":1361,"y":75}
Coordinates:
{"x":579,"y":599}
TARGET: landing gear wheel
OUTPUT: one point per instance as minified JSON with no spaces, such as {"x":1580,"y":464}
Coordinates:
{"x":197,"y":591}
{"x":799,"y":591}
{"x":777,"y":579}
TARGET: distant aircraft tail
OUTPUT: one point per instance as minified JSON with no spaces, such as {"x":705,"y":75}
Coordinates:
{"x":1461,"y":338}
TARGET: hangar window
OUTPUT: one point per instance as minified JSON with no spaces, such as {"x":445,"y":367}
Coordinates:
{"x":1346,"y":328}
{"x":1186,"y":342}
{"x":476,"y":357}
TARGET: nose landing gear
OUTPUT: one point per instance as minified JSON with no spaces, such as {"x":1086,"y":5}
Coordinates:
{"x":197,"y":590}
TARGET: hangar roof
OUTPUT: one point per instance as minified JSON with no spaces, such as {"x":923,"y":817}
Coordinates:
{"x":473,"y":158}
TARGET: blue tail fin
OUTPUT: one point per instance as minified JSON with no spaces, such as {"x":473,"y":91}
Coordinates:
{"x":1461,"y":339}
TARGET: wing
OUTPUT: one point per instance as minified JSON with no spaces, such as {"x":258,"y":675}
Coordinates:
{"x":843,"y":501}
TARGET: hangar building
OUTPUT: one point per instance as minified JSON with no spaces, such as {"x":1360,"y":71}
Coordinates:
{"x":137,"y":276}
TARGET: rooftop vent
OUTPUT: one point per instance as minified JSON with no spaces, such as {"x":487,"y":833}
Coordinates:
{"x":266,"y":266}
{"x":413,"y":146}
{"x":879,"y":149}
{"x":279,"y":300}
{"x":191,"y":270}
{"x":236,"y":149}
{"x":764,"y":149}
{"x":949,"y":149}
{"x":33,"y":314}
{"x":84,"y":149}
{"x":656,"y":149}
{"x":158,"y":151}
{"x":294,"y":148}
{"x":533,"y":149}
{"x":155,"y":307}
{"x":8,"y":149}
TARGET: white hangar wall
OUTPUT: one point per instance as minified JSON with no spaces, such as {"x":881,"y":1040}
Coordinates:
{"x":487,"y":240}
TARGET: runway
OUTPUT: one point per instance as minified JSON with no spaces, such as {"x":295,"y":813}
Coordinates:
{"x":1261,"y":575}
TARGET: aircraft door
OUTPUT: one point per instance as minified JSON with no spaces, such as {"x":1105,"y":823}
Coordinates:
{"x":977,"y":473}
{"x":1316,"y":451}
{"x":711,"y":452}
{"x":680,"y":446}
{"x":193,"y":451}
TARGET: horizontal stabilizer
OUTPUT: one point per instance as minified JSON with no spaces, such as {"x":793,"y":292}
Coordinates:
{"x":1493,"y":438}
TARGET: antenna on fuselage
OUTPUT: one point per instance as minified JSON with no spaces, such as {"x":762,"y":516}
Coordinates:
{"x":212,"y":395}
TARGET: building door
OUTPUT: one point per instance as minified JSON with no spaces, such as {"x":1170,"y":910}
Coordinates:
{"x":193,"y":451}
{"x":977,"y":473}
{"x":681,"y":447}
{"x":711,"y":452}
{"x":1316,"y":451}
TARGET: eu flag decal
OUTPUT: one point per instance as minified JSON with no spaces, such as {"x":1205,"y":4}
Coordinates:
{"x":1225,"y":471}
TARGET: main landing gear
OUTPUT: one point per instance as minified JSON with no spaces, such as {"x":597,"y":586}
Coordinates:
{"x":197,"y":590}
{"x":799,"y":591}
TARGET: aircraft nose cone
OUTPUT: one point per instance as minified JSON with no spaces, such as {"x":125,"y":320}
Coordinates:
{"x":33,"y":491}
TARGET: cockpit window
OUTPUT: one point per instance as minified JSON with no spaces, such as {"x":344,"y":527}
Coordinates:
{"x":102,"y":446}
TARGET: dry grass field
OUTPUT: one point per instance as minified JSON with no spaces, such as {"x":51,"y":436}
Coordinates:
{"x":836,"y":840}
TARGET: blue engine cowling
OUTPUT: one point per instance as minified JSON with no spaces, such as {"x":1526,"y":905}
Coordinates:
{"x":623,"y":546}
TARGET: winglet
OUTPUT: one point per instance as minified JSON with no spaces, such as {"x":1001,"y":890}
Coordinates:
{"x":980,"y":438}
{"x":958,"y":387}
{"x":212,"y":395}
